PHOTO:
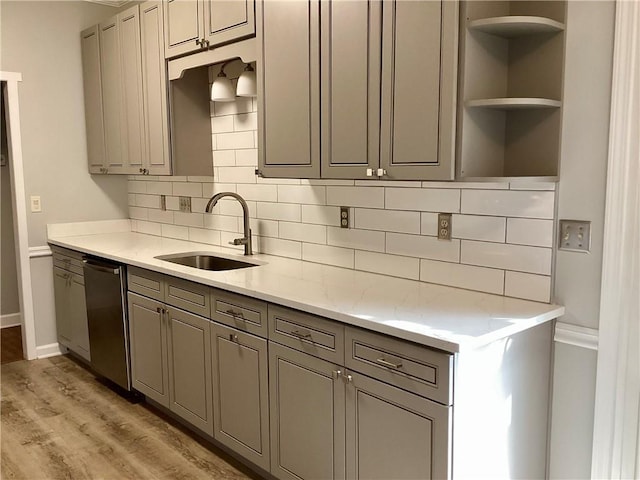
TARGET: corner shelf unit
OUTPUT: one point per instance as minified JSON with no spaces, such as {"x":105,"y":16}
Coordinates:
{"x":510,"y":89}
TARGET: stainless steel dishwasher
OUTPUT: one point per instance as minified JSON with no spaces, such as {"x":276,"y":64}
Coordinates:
{"x":106,"y":295}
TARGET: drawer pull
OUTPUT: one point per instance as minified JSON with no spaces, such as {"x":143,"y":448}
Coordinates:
{"x":234,"y":314}
{"x":233,"y":338}
{"x":301,"y":336}
{"x":386,"y":363}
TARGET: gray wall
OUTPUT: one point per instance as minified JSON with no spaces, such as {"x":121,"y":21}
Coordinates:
{"x":42,"y":41}
{"x":581,"y":195}
{"x":9,"y":302}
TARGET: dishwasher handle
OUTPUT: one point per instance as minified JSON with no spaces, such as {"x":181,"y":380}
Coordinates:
{"x":101,"y":268}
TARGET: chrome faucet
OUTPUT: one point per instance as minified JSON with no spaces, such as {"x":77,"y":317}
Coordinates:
{"x":246,"y":240}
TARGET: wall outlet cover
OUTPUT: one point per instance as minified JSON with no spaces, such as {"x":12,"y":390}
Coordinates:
{"x":574,"y":235}
{"x":444,"y":226}
{"x":185,"y":204}
{"x":344,"y":217}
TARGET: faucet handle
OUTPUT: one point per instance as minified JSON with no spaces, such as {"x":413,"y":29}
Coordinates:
{"x":239,"y":241}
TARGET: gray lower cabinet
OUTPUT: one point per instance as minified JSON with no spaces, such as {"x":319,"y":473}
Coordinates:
{"x":392,"y":433}
{"x":171,"y":359}
{"x":71,"y":306}
{"x":241,"y":393}
{"x":307,"y":416}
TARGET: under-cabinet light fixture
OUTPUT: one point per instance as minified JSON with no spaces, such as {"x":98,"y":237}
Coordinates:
{"x":222,"y":89}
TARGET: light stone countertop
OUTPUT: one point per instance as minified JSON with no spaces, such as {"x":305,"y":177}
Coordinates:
{"x":446,"y":318}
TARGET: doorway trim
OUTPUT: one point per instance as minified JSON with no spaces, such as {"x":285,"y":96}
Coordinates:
{"x":10,"y":82}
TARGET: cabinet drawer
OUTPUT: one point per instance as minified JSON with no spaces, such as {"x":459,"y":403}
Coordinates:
{"x":68,"y":260}
{"x":189,"y":296}
{"x":145,"y":282}
{"x":310,"y":334}
{"x":412,"y":367}
{"x":238,"y":311}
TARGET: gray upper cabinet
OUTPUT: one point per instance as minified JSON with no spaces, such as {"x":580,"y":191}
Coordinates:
{"x":350,"y":87}
{"x":192,"y":25}
{"x":378,"y":102}
{"x":288,"y":88}
{"x":92,"y":82}
{"x":419,"y":57}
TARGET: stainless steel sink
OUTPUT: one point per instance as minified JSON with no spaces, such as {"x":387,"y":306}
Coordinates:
{"x":206,"y":261}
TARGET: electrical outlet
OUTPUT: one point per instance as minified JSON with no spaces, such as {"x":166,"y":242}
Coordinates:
{"x":444,"y":226}
{"x":185,"y":204}
{"x":575,"y":235}
{"x":344,"y":217}
{"x":36,"y":204}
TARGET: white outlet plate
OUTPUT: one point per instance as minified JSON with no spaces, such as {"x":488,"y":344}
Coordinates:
{"x":574,"y":235}
{"x":36,"y":204}
{"x":185,"y":204}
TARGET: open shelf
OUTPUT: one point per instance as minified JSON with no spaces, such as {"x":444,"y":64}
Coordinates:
{"x":514,"y":103}
{"x":516,"y":25}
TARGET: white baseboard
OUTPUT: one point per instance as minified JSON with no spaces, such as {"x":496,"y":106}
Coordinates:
{"x":51,"y":350}
{"x":576,"y":335}
{"x":10,"y":320}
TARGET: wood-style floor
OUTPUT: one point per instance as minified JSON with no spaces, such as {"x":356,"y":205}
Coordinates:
{"x":59,"y":422}
{"x":11,"y":344}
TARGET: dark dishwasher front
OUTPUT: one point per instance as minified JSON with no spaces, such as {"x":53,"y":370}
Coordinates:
{"x":105,"y":291}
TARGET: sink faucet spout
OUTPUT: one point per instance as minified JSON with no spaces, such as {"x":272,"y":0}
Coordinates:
{"x":246,"y":240}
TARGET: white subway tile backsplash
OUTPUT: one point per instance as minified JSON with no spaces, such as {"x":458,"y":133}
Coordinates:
{"x":229,"y":141}
{"x":159,"y":188}
{"x":161,"y":216}
{"x":131,"y":199}
{"x":210,"y":189}
{"x":321,"y":215}
{"x":510,"y":203}
{"x":186,"y":189}
{"x":247,"y":157}
{"x":405,"y":267}
{"x":236,"y":175}
{"x":137,"y":186}
{"x":280,"y":247}
{"x":339,"y":257}
{"x":262,"y":228}
{"x":149,"y":228}
{"x":245,"y":122}
{"x":303,"y":232}
{"x":229,"y":206}
{"x":528,"y":231}
{"x":173,"y":231}
{"x":387,"y":220}
{"x":203,"y":235}
{"x":198,"y":205}
{"x":200,"y":178}
{"x":303,"y":194}
{"x":482,"y":279}
{"x":222,"y":124}
{"x":423,"y":247}
{"x":429,"y":223}
{"x":223,"y":223}
{"x":173,"y":203}
{"x":224,"y":158}
{"x":388,"y":183}
{"x":527,"y":286}
{"x":423,"y":199}
{"x":279,"y":181}
{"x":149,"y":201}
{"x":326,"y":182}
{"x":138,"y":213}
{"x":279,"y":211}
{"x":505,"y":256}
{"x":188,"y":219}
{"x":359,"y":239}
{"x":476,"y":227}
{"x":260,"y":193}
{"x":368,"y":197}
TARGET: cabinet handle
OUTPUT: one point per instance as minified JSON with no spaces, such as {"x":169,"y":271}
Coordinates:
{"x":160,"y":310}
{"x":337,"y":374}
{"x":233,"y":337}
{"x":301,"y":336}
{"x":386,"y":363}
{"x":349,"y":379}
{"x":198,"y":41}
{"x":235,"y":314}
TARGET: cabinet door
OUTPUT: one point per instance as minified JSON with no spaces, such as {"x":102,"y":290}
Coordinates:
{"x":90,"y":42}
{"x":350,"y":87}
{"x":133,"y":122}
{"x":419,"y":45}
{"x":190,"y":368}
{"x":61,"y":288}
{"x":112,"y":94}
{"x":154,"y":89}
{"x":240,"y":391}
{"x":183,"y":20}
{"x":307,"y":416}
{"x":289,"y":88}
{"x":392,"y":433}
{"x":78,"y":314}
{"x":228,"y":20}
{"x":148,"y":338}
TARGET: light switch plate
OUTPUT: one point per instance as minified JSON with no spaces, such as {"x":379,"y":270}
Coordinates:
{"x":574,"y":235}
{"x":185,"y":204}
{"x":36,"y":204}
